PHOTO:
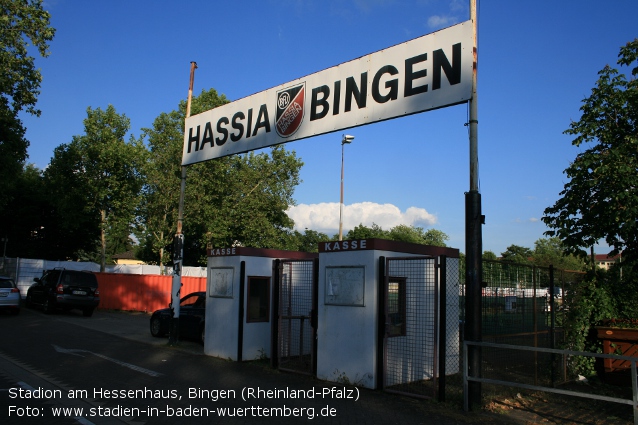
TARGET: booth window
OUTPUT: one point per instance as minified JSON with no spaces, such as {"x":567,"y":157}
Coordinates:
{"x":395,"y":307}
{"x":258,"y":299}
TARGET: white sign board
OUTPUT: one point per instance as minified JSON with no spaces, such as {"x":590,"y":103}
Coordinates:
{"x":220,"y":282}
{"x":345,"y":286}
{"x":425,"y":73}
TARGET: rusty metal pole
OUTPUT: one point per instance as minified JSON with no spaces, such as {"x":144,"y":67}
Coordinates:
{"x":346,"y":139}
{"x":178,"y":241}
{"x":473,"y":238}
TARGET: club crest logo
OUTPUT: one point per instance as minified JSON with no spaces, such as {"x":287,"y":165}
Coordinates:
{"x":290,"y":110}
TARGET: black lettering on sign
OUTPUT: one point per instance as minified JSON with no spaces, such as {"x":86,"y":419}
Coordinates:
{"x":319,"y":102}
{"x":237,"y":125}
{"x":393,"y":85}
{"x":250,"y":122}
{"x":359,"y":95}
{"x":221,"y":129}
{"x":208,"y":136}
{"x":192,"y":139}
{"x":262,"y":120}
{"x":452,"y":72}
{"x":337,"y":98}
{"x":411,"y":75}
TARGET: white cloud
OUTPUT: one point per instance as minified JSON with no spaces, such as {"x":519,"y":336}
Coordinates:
{"x":459,"y":11}
{"x":324,"y":217}
{"x":437,"y":22}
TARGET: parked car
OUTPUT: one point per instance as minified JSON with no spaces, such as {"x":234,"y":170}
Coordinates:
{"x":192,"y":312}
{"x":65,"y":289}
{"x":10,"y":298}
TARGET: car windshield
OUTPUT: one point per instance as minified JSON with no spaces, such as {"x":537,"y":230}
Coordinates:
{"x":79,"y":278}
{"x":5,"y":283}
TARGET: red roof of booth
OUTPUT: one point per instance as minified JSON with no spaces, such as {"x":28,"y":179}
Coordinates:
{"x":259,"y":252}
{"x":387,"y":245}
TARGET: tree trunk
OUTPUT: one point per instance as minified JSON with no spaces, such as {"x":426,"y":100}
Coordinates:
{"x":103,"y":241}
{"x":161,"y":255}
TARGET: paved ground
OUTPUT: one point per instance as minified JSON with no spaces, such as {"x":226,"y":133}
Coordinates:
{"x":373,"y":407}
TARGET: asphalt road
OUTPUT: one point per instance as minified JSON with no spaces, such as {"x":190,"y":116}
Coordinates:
{"x":108,"y":369}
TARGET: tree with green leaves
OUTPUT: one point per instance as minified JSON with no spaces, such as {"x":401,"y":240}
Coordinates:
{"x":308,"y":241}
{"x":600,"y":200}
{"x":22,"y":22}
{"x":97,"y":178}
{"x":27,"y":215}
{"x":401,"y":233}
{"x":365,"y":232}
{"x":418,"y":235}
{"x":517,"y":254}
{"x":13,"y":153}
{"x":489,"y":256}
{"x":242,"y":199}
{"x":551,"y":251}
{"x":160,"y":193}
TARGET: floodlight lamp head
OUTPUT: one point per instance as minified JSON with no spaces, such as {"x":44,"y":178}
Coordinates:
{"x":347,"y":139}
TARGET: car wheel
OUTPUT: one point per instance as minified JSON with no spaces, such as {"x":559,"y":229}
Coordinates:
{"x":48,"y":307}
{"x":87,"y":312}
{"x":203,"y":336}
{"x":156,"y":327}
{"x":28,"y":302}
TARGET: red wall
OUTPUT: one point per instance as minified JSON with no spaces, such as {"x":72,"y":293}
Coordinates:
{"x":141,"y":292}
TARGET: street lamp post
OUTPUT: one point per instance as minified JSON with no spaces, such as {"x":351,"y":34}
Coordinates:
{"x":346,"y":139}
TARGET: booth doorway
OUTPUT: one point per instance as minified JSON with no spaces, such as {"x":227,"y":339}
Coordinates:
{"x":411,"y":291}
{"x":295,"y":327}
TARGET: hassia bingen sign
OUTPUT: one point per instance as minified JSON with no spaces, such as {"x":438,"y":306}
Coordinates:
{"x":422,"y":74}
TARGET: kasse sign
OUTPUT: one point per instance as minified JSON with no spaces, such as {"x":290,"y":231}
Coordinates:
{"x":425,"y":73}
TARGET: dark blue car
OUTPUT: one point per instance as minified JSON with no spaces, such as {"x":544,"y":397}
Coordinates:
{"x":192,"y":312}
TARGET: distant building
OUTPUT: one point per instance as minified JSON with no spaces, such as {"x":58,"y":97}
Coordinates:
{"x":127,"y":257}
{"x":604,"y":261}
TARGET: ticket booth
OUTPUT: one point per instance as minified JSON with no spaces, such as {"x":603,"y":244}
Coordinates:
{"x":379,"y":305}
{"x":239,"y":301}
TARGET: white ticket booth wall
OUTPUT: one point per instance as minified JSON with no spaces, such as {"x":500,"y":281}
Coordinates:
{"x":350,"y":345}
{"x":239,"y":303}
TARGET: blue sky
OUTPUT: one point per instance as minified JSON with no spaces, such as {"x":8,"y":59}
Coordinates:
{"x":537,"y":62}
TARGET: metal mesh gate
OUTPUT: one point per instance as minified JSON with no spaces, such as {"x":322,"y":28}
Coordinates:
{"x":411,"y":317}
{"x":296,"y":342}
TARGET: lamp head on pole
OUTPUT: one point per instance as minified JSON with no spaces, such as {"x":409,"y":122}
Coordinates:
{"x":347,"y":139}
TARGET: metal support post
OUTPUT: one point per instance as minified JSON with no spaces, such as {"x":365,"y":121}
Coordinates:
{"x":473,"y":239}
{"x":178,"y":241}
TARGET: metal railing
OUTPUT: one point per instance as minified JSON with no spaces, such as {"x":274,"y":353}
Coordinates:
{"x":631,"y":360}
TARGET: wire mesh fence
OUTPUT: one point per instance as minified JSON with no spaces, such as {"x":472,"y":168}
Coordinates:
{"x":453,"y":314}
{"x":422,"y":333}
{"x":296,"y":336}
{"x":525,"y":305}
{"x":411,"y":331}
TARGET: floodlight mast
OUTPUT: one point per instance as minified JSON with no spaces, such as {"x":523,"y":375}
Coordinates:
{"x":178,"y":241}
{"x":473,"y":240}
